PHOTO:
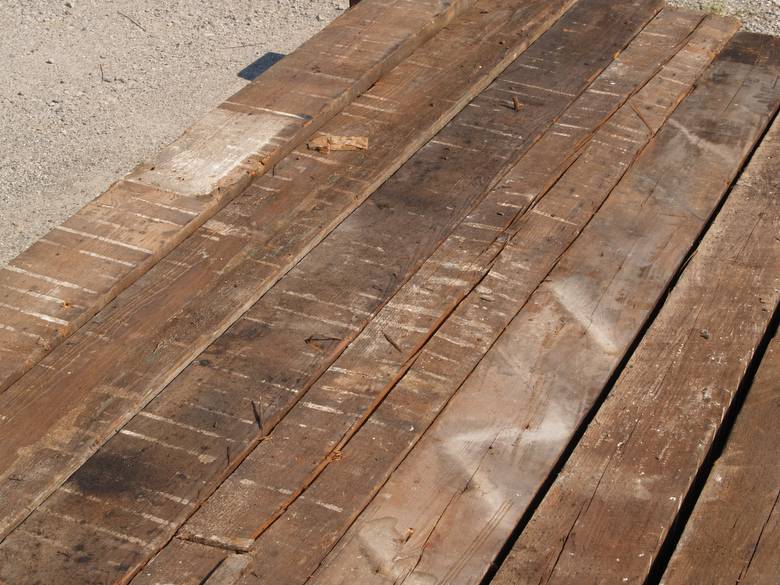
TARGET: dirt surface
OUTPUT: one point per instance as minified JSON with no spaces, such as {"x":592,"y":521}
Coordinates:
{"x":756,"y":15}
{"x":90,"y":88}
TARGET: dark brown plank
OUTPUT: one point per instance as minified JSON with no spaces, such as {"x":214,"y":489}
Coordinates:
{"x":733,"y":534}
{"x":325,"y":510}
{"x":56,"y":286}
{"x":333,"y":406}
{"x":67,"y":406}
{"x":448,"y":509}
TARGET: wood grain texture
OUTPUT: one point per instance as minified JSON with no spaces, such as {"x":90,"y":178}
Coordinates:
{"x":186,"y":563}
{"x":330,"y":504}
{"x":447,"y":510}
{"x":90,"y":388}
{"x":608,"y":513}
{"x":57,"y":285}
{"x":326,"y":299}
{"x":243,"y":497}
{"x":324,"y":511}
{"x":384,"y":349}
{"x":733,"y":534}
{"x":271,"y":356}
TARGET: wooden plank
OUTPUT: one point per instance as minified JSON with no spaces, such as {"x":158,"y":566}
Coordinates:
{"x":200,"y":561}
{"x":610,"y":510}
{"x":447,"y":510}
{"x":325,"y":510}
{"x":229,"y":571}
{"x":383,"y":351}
{"x":75,"y":399}
{"x":235,"y":516}
{"x":733,"y":534}
{"x":142,"y":217}
{"x":410,"y":215}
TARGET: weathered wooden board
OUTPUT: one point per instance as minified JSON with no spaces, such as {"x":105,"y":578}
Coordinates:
{"x":346,"y":486}
{"x":57,"y":285}
{"x":609,"y":511}
{"x":332,"y":294}
{"x":733,"y":534}
{"x":386,"y":347}
{"x":321,"y":515}
{"x":186,"y":563}
{"x":447,"y":510}
{"x":75,"y":399}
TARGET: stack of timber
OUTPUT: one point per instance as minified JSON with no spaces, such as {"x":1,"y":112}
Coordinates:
{"x":467,"y":291}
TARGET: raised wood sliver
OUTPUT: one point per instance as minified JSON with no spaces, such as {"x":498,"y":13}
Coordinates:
{"x":502,"y":340}
{"x":56,"y":286}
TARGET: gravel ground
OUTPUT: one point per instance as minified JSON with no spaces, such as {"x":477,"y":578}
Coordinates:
{"x":89,"y":88}
{"x":756,"y":15}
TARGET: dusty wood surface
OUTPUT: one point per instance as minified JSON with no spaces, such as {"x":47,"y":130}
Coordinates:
{"x":288,"y":311}
{"x":384,"y":350}
{"x":449,"y":507}
{"x":325,"y":509}
{"x":181,"y":306}
{"x":369,"y":366}
{"x":608,"y":513}
{"x":295,"y":330}
{"x":733,"y":534}
{"x":443,"y":363}
{"x":57,"y":285}
{"x":184,"y":562}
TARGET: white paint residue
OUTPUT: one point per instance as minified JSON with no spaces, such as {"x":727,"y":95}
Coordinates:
{"x":216,"y":145}
{"x":570,"y":297}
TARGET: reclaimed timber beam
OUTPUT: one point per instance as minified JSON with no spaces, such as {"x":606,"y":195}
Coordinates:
{"x":338,"y":287}
{"x":68,"y":405}
{"x":448,"y":509}
{"x":61,"y":281}
{"x":264,"y":364}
